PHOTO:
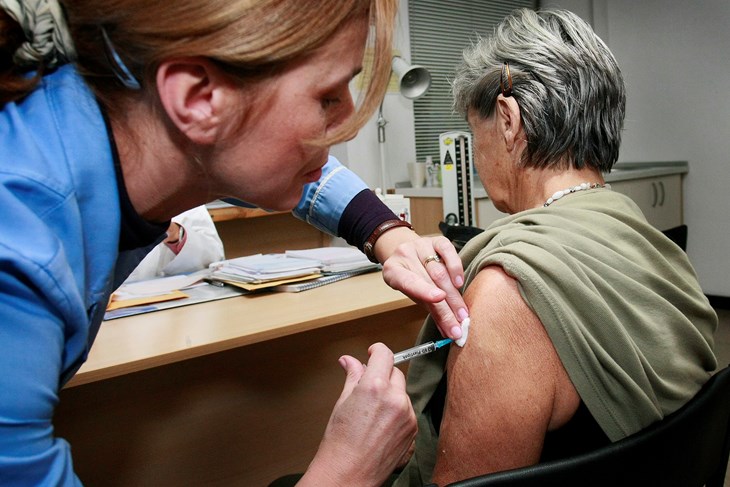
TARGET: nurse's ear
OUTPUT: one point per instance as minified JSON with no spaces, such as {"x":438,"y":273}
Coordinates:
{"x":194,"y":93}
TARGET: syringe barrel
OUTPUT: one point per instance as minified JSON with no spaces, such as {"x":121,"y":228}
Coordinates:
{"x":408,"y":354}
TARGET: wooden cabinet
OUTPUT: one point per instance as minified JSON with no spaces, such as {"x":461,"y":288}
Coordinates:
{"x":276,"y":232}
{"x":426,"y":213}
{"x":247,"y":231}
{"x":660,"y":198}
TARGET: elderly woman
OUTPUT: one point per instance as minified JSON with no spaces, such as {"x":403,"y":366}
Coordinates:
{"x":587,"y":324}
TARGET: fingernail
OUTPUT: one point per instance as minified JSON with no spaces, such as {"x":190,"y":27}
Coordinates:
{"x":343,"y":362}
{"x":437,"y":293}
{"x":462,"y":314}
{"x":459,"y":281}
{"x":456,"y":332}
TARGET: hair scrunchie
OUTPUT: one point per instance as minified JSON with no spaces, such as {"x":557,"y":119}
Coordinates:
{"x":46,"y":31}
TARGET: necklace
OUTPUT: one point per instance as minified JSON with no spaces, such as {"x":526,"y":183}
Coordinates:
{"x":581,"y":187}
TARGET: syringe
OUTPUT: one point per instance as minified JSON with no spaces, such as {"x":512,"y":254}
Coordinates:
{"x":423,"y":349}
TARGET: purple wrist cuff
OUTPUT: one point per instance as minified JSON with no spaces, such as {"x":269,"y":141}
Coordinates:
{"x":361,"y":217}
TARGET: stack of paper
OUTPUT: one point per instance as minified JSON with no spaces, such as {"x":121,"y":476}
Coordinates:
{"x":154,"y":290}
{"x":267,"y":271}
{"x":334,"y":259}
{"x":166,"y":292}
{"x":259,"y":268}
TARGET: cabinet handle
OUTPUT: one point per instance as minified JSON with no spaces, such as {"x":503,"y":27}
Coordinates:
{"x":655,"y":194}
{"x":661,"y":200}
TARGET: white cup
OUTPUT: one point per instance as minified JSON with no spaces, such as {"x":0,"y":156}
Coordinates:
{"x":417,"y":174}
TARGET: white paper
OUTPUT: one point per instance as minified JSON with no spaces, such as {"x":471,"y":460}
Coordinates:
{"x":162,"y":285}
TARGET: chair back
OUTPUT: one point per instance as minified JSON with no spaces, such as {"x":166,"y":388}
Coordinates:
{"x":678,"y":235}
{"x":688,"y":448}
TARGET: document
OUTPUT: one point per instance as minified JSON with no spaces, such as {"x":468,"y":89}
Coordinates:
{"x":199,"y":293}
{"x":262,"y":268}
{"x":335,"y":259}
{"x":293,"y":268}
{"x":159,"y":286}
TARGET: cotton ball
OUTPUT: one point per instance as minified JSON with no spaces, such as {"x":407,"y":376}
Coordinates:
{"x":464,"y":332}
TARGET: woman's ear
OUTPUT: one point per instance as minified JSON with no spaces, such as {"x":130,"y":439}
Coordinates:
{"x":509,"y":120}
{"x":193,"y":93}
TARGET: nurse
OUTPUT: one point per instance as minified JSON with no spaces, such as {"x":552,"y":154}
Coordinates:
{"x":117,"y":116}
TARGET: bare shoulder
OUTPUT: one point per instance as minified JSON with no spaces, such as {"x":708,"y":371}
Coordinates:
{"x":506,"y":387}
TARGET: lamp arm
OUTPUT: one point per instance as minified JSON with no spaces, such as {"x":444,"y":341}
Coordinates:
{"x":381,"y":144}
{"x":381,"y":124}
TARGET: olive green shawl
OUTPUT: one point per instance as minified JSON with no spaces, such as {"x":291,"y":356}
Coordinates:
{"x":619,"y":300}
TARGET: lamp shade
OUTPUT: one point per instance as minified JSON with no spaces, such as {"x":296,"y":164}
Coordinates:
{"x":413,"y":81}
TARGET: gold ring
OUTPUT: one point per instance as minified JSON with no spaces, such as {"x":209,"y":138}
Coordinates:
{"x":431,"y":258}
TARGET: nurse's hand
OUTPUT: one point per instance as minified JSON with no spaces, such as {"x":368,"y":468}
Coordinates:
{"x":372,"y":427}
{"x":410,"y":265}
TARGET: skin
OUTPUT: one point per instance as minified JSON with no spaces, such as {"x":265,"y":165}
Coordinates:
{"x":507,"y":387}
{"x":266,"y":159}
{"x":172,"y":240}
{"x":217,"y":139}
{"x":404,"y":270}
{"x":352,"y":450}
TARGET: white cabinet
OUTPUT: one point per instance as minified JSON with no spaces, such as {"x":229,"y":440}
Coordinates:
{"x":660,"y":198}
{"x":486,"y":212}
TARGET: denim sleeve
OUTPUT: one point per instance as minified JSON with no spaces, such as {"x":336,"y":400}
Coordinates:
{"x":324,"y":201}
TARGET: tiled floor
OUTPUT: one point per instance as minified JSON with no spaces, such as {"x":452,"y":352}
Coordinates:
{"x":722,"y":349}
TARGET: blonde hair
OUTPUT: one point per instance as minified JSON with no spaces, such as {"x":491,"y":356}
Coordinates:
{"x":250,"y":39}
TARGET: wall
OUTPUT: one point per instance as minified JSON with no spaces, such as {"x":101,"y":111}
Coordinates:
{"x":674,"y":56}
{"x":362,"y":154}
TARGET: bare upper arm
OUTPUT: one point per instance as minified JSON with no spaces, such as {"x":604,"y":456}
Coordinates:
{"x":506,"y":387}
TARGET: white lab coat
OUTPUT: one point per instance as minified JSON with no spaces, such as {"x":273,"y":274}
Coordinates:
{"x":202,"y":247}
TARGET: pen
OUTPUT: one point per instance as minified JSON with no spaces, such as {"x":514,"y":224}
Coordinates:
{"x":419,"y":350}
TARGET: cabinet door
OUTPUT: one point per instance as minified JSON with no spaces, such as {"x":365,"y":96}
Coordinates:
{"x":659,"y":198}
{"x":426,"y":213}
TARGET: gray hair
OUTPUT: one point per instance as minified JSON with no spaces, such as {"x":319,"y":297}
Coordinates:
{"x":567,"y":83}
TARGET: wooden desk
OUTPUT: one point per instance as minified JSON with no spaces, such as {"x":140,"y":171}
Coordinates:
{"x":233,"y":392}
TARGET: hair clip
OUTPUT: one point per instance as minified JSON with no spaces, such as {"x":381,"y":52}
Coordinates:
{"x":506,"y":90}
{"x":121,"y":71}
